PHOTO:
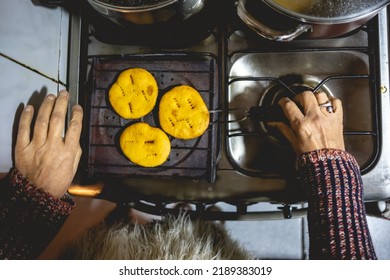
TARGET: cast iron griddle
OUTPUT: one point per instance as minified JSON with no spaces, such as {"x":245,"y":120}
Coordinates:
{"x":188,"y":158}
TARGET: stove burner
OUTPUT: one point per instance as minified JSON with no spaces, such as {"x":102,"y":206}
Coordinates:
{"x":294,"y":84}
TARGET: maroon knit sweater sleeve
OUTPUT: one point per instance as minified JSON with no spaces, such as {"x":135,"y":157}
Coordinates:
{"x":29,"y":217}
{"x":336,"y":216}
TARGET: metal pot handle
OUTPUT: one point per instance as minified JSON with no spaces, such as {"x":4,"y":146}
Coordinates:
{"x":266,"y":31}
{"x":191,"y":6}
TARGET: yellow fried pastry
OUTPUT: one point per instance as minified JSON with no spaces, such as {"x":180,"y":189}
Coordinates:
{"x":145,"y":145}
{"x":134,"y":93}
{"x":183,"y":113}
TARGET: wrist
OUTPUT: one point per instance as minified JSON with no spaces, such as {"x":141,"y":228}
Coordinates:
{"x":23,"y":184}
{"x":321,"y":155}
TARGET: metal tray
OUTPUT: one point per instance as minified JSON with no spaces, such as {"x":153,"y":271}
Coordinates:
{"x":196,"y":158}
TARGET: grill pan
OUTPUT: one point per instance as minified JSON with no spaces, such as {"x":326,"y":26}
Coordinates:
{"x":196,"y":158}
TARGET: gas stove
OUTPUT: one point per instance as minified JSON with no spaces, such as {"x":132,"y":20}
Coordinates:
{"x":239,"y":160}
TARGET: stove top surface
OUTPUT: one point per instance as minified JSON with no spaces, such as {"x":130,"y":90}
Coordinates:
{"x":252,"y":165}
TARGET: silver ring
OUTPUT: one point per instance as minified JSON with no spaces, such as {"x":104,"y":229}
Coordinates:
{"x":327,"y":105}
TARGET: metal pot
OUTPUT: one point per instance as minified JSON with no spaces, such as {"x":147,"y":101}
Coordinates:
{"x":142,"y":12}
{"x":155,"y":12}
{"x":285,"y":20}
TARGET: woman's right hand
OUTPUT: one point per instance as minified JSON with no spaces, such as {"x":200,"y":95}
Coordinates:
{"x":312,"y":127}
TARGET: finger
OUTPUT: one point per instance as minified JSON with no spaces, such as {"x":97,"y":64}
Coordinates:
{"x":290,"y":109}
{"x":42,"y":121}
{"x":72,"y":137}
{"x":23,"y":138}
{"x":284,"y":129}
{"x":57,"y":119}
{"x":337,"y":105}
{"x":322,"y":100}
{"x":77,"y":159}
{"x":307,"y":100}
{"x":321,"y":97}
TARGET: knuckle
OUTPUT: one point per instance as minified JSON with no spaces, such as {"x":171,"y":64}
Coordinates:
{"x":75,"y":125}
{"x":57,"y":117}
{"x":321,"y":94}
{"x":77,"y":112}
{"x":288,"y":104}
{"x":41,"y":122}
{"x":303,"y":95}
{"x":315,"y":118}
{"x":298,"y":123}
{"x":338,"y":103}
{"x":283,"y":101}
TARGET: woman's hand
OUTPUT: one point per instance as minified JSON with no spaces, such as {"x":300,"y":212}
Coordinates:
{"x":312,"y":127}
{"x":49,"y":160}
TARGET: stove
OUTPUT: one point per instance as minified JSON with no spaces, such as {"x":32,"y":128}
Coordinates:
{"x":239,"y":160}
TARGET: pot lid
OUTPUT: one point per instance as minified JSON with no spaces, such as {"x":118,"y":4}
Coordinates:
{"x":327,"y":11}
{"x":134,"y":4}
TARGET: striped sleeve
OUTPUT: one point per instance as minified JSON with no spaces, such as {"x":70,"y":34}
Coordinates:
{"x":29,"y":217}
{"x":337,"y":217}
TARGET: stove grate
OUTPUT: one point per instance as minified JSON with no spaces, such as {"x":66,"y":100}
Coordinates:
{"x":188,"y":158}
{"x":279,"y":82}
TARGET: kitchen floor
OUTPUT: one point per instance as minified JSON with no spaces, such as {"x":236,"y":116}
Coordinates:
{"x":33,"y":62}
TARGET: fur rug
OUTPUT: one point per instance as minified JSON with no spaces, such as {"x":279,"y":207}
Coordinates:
{"x":172,"y":238}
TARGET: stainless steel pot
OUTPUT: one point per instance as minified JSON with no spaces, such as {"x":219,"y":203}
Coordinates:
{"x":285,"y":20}
{"x":158,"y":11}
{"x":141,"y":12}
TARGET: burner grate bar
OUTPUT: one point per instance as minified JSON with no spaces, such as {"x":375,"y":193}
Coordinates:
{"x":280,"y":82}
{"x":361,"y":133}
{"x":339,"y":77}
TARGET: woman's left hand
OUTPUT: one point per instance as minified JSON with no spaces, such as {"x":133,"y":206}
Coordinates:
{"x":49,"y":160}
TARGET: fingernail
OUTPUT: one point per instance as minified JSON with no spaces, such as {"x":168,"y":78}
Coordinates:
{"x":28,"y":108}
{"x":283,"y":99}
{"x":64,"y":93}
{"x":50,"y":96}
{"x":77,"y":106}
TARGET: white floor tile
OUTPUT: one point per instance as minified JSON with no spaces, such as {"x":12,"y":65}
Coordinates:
{"x":380,"y":234}
{"x":18,"y":85}
{"x":35,"y":36}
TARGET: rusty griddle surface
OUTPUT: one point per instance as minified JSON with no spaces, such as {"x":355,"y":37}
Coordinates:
{"x":188,"y":158}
